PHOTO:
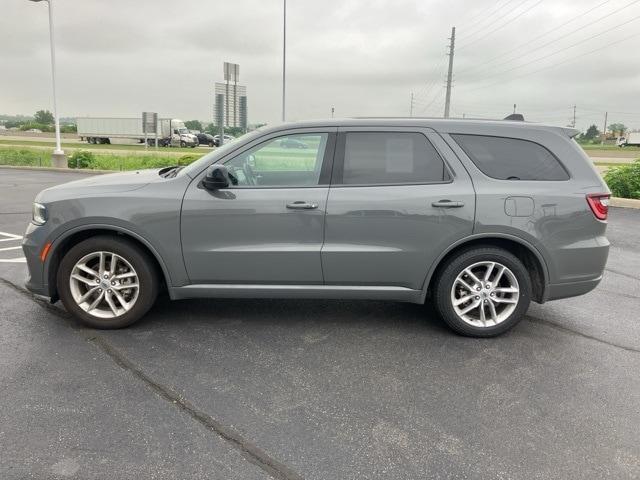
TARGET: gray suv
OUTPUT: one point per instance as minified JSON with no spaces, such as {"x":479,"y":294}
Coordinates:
{"x":481,"y":217}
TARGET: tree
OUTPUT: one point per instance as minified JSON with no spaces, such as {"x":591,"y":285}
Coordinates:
{"x":194,"y":125}
{"x":43,"y":116}
{"x":591,"y":133}
{"x":618,"y":128}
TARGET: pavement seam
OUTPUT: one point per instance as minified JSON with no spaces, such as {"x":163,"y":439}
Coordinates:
{"x":584,"y":335}
{"x":618,"y":272}
{"x":249,"y":451}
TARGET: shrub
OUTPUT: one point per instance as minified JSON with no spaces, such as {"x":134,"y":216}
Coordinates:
{"x":624,"y":181}
{"x":81,"y":159}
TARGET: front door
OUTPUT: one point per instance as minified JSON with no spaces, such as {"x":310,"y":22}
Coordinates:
{"x":393,"y":207}
{"x":267,"y":229}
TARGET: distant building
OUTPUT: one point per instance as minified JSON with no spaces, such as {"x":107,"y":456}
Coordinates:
{"x":230,"y":99}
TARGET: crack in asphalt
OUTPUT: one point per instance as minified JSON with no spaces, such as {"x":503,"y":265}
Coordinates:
{"x":575,"y":332}
{"x":618,"y":272}
{"x":250,"y":451}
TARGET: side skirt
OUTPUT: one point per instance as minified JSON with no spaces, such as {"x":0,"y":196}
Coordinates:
{"x":399,"y":294}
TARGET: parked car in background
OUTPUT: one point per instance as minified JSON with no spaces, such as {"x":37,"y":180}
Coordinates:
{"x":292,"y":143}
{"x":205,"y":139}
{"x":226,"y":139}
{"x":479,"y":217}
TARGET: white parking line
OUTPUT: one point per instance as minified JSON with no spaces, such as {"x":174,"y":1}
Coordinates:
{"x":11,"y":237}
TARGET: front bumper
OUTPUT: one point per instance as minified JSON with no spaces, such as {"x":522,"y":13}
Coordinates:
{"x":32,"y":243}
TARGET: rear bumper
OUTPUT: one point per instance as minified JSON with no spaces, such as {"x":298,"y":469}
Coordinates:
{"x":573,"y":289}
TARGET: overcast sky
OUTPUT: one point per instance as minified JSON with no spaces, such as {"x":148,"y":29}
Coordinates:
{"x":364,"y":57}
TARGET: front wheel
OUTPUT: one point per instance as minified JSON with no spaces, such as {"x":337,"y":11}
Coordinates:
{"x":107,"y":282}
{"x":483,"y":292}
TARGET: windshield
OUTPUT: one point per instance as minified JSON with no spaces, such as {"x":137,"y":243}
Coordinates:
{"x":219,"y":152}
{"x":183,"y":130}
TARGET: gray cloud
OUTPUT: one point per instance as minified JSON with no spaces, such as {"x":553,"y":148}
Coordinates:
{"x":363,"y":57}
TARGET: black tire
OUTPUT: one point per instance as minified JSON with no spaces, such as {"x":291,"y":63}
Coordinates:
{"x":144,"y":266}
{"x":211,"y":144}
{"x":444,"y":283}
{"x":183,"y":144}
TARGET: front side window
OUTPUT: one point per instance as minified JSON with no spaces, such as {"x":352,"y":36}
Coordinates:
{"x":287,"y":161}
{"x":390,"y":158}
{"x":511,"y":158}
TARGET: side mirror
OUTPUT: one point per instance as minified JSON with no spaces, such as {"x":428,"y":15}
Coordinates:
{"x":217,"y":177}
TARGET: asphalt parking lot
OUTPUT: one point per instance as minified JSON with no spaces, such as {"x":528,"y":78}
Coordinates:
{"x":226,"y":389}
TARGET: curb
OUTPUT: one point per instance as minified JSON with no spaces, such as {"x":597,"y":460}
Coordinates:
{"x":624,"y":202}
{"x":61,"y":170}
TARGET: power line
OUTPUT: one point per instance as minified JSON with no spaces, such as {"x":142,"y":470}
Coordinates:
{"x":542,"y":35}
{"x":566,"y":35}
{"x":526,"y":74}
{"x":484,"y":15}
{"x":531,"y":7}
{"x":492,"y":21}
{"x":495,"y":74}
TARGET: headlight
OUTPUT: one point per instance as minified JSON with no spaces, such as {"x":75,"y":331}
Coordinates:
{"x":39,"y":216}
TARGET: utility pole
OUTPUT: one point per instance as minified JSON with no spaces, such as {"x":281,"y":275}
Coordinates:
{"x":333,"y":110}
{"x":573,"y":122}
{"x":514,"y":108}
{"x":447,"y":101}
{"x":284,"y":56}
{"x":604,"y":129}
{"x":411,"y":106}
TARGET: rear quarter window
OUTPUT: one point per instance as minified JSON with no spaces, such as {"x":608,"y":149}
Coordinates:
{"x":506,"y":158}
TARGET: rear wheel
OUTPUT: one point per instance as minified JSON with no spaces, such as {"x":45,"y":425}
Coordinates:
{"x":483,"y":292}
{"x":107,"y":282}
{"x":183,"y":144}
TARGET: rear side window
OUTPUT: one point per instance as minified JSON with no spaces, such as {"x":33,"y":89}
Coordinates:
{"x":511,"y":158}
{"x":390,"y":158}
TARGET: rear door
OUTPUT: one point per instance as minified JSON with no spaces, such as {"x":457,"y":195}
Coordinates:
{"x":398,"y":199}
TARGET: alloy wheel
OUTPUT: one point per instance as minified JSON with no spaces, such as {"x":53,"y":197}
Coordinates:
{"x":485,"y":294}
{"x":104,"y":284}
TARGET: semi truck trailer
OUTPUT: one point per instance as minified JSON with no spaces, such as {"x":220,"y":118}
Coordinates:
{"x":171,"y":131}
{"x":631,"y":140}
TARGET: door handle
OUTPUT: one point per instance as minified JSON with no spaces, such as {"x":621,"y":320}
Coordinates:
{"x":447,"y":204}
{"x":301,"y":205}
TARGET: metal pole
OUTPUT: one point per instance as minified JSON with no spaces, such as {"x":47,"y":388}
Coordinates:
{"x":604,"y":130}
{"x":411,"y":106}
{"x":58,"y":150}
{"x":447,"y":102}
{"x":284,"y":56}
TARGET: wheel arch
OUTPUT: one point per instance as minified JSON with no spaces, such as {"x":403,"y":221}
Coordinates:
{"x":527,"y":253}
{"x":66,"y":241}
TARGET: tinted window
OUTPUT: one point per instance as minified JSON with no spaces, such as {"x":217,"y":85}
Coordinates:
{"x":511,"y":158}
{"x":389,"y":157}
{"x":292,"y":160}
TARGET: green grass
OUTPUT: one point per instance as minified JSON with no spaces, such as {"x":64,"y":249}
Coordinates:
{"x":88,"y":146}
{"x":35,"y":157}
{"x":608,"y":147}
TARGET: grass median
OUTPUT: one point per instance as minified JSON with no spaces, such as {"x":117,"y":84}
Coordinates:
{"x":33,"y":157}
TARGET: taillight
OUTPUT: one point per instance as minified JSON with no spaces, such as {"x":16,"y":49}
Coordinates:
{"x":599,"y":203}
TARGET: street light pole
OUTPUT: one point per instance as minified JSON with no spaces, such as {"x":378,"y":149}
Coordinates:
{"x":58,"y":154}
{"x":284,"y":56}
